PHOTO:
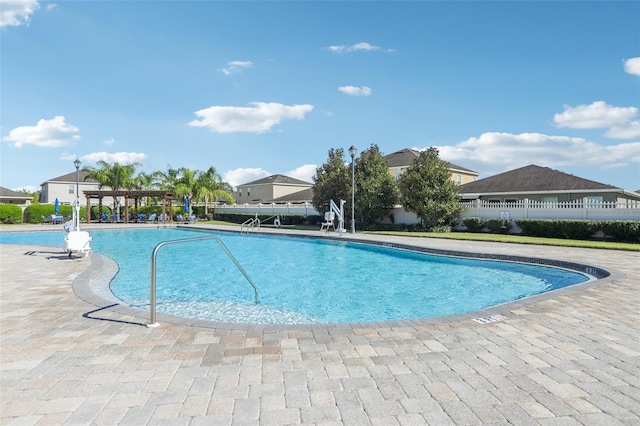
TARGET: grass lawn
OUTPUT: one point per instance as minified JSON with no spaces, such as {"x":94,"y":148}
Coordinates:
{"x":499,"y":238}
{"x":517,"y":239}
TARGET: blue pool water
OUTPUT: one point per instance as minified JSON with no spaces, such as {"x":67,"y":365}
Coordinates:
{"x":304,"y":280}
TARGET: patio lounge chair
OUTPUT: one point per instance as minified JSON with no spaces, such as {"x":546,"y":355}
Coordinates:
{"x":152,"y":217}
{"x":179,"y":218}
{"x":191,"y":218}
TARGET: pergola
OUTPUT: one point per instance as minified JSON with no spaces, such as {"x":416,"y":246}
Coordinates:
{"x":128,"y":194}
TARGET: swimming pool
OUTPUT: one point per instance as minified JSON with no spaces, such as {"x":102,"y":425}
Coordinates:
{"x":305,"y":280}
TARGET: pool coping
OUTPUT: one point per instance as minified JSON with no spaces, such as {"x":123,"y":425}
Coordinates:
{"x":92,"y":286}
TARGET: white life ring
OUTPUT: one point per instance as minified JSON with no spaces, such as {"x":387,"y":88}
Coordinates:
{"x":276,"y":222}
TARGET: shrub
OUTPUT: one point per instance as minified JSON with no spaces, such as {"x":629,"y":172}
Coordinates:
{"x":622,"y":230}
{"x":499,"y":226}
{"x":10,"y":214}
{"x":474,"y":224}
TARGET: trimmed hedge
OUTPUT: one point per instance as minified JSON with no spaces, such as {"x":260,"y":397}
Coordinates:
{"x":617,"y":230}
{"x":10,"y":214}
{"x":498,"y":226}
{"x":474,"y":224}
{"x":290,"y":219}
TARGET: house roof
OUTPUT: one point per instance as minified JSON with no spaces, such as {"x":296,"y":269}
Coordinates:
{"x":278,"y":179}
{"x":8,"y":193}
{"x":532,"y":178}
{"x":405,"y":157}
{"x":71,"y":177}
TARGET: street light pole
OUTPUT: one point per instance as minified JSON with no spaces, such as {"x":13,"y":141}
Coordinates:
{"x":352,"y":152}
{"x":77,"y":222}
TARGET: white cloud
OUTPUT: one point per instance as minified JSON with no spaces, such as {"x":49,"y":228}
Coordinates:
{"x":46,"y":133}
{"x":505,"y":151}
{"x":236,"y":66}
{"x":632,"y":66}
{"x":355,"y":91}
{"x":596,"y":115}
{"x":109,"y":141}
{"x":626,"y":131}
{"x":305,"y":172}
{"x":115,"y":157}
{"x":51,"y":6}
{"x":258,"y":119}
{"x":244,"y":175}
{"x":17,"y":12}
{"x":362,"y":46}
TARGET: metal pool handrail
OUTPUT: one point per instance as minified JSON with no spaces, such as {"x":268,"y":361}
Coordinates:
{"x":152,"y":313}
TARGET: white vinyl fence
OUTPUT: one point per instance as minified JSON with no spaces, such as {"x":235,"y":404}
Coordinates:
{"x":577,"y":210}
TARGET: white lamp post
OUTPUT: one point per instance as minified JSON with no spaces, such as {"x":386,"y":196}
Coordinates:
{"x":77,"y":164}
{"x":352,"y":152}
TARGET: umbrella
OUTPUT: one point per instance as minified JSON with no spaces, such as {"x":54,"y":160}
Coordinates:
{"x":57,"y":206}
{"x":186,"y":205}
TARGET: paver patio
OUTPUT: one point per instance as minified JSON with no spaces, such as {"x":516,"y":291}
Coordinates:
{"x":570,"y":358}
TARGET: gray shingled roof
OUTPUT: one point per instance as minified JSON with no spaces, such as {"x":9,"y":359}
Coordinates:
{"x":71,"y":177}
{"x":8,"y":193}
{"x":405,"y":157}
{"x":532,"y":178}
{"x":279,"y":179}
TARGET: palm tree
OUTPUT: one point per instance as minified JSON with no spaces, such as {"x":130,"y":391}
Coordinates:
{"x":116,"y":176}
{"x":186,"y":183}
{"x":209,"y":187}
{"x":144,"y":181}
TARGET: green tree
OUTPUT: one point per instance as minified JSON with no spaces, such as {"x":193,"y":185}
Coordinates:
{"x":376,"y":189}
{"x":427,"y":190}
{"x":210,"y":187}
{"x":166,"y":181}
{"x":332,"y":182}
{"x":116,"y":176}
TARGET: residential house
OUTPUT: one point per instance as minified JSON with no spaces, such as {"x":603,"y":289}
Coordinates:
{"x":271,"y":188}
{"x":64,"y":189}
{"x":535,"y":192}
{"x":8,"y":196}
{"x":542,"y":184}
{"x":401,"y":160}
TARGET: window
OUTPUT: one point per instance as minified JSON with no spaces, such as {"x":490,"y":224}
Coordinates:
{"x":239,"y":192}
{"x":594,"y":201}
{"x":249,"y":192}
{"x":459,"y":179}
{"x":72,"y":189}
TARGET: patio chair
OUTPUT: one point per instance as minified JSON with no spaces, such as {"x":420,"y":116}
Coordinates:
{"x":152,"y":217}
{"x":329,"y":217}
{"x":179,"y":218}
{"x":45,"y":219}
{"x":191,"y":218}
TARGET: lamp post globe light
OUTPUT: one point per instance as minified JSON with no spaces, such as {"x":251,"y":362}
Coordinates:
{"x":352,"y":152}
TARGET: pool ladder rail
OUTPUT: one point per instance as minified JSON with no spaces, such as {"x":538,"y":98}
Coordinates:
{"x":152,"y":312}
{"x":250,"y":224}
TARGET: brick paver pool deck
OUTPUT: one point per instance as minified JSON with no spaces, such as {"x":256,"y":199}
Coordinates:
{"x":568,"y":358}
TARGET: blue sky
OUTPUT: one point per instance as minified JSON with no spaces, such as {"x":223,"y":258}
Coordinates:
{"x":260,"y":88}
